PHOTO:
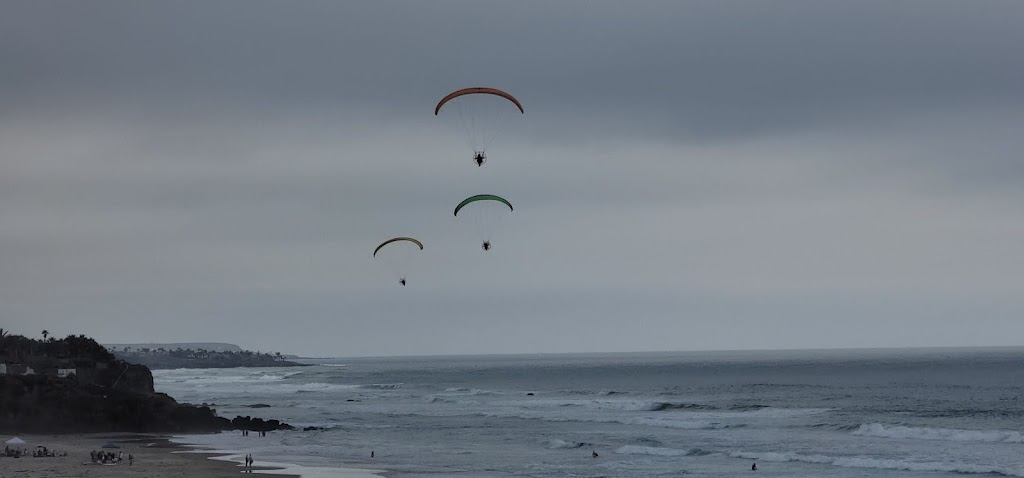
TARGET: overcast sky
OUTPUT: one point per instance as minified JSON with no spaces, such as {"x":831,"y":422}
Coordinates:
{"x":688,"y":175}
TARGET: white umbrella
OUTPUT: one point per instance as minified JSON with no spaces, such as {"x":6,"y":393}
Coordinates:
{"x":15,"y":441}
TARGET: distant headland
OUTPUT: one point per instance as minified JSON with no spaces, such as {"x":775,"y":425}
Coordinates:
{"x":197,"y":355}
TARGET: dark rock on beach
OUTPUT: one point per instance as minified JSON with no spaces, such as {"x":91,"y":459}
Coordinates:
{"x":258,"y":424}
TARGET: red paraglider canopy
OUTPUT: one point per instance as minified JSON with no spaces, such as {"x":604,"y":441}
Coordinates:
{"x":478,"y":91}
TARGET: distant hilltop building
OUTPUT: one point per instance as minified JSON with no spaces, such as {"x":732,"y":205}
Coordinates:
{"x":207,"y":346}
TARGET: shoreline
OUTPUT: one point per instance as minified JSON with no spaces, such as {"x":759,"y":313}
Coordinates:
{"x":155,"y":456}
{"x":271,"y":467}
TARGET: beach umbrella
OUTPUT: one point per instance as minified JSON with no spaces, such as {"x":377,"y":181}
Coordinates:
{"x":15,"y":441}
{"x":111,"y":445}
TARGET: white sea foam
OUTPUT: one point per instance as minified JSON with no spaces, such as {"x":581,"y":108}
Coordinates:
{"x":881,"y":463}
{"x":382,"y":386}
{"x":558,"y":444}
{"x":469,"y":391}
{"x":680,"y":422}
{"x":193,"y":377}
{"x":657,"y":451}
{"x":312,"y":387}
{"x":950,"y":434}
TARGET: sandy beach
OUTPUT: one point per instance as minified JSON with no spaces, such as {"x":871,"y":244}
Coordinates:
{"x":154,"y":455}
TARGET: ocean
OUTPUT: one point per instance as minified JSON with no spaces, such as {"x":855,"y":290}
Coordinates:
{"x":845,"y":413}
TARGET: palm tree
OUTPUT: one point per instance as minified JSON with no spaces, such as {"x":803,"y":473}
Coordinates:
{"x":46,"y":333}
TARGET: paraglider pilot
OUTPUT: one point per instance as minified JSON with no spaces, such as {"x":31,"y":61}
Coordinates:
{"x":480,"y":157}
{"x":401,"y":281}
{"x":486,"y":245}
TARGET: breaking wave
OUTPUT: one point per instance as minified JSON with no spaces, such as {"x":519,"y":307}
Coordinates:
{"x":948,"y":434}
{"x":881,"y":463}
{"x":659,"y":451}
{"x":382,"y":386}
{"x":559,"y":444}
{"x":618,"y":405}
{"x":469,"y":391}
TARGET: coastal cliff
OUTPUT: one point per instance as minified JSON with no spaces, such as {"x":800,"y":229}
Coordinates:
{"x":74,"y":385}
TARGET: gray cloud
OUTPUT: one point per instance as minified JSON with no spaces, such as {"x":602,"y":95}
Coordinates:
{"x":710,"y":174}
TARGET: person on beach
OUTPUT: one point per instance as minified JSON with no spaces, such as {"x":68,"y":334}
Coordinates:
{"x":753,"y":467}
{"x":371,"y":453}
{"x":593,"y":454}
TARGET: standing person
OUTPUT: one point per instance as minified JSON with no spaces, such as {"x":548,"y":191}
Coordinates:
{"x":753,"y":467}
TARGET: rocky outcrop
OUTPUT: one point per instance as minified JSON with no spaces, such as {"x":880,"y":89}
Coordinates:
{"x":259,"y":425}
{"x":135,"y":378}
{"x":40,"y":404}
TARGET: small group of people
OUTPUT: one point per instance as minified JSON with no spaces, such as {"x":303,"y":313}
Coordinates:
{"x":39,"y":452}
{"x":248,"y":463}
{"x":103,"y":457}
{"x":14,"y":452}
{"x":245,"y":433}
{"x":45,"y":452}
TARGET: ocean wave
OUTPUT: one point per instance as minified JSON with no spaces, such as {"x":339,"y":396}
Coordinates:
{"x":469,"y":391}
{"x":333,"y":365}
{"x":842,"y":427}
{"x":663,"y":422}
{"x":748,"y":408}
{"x":382,"y":386}
{"x":442,"y":399}
{"x":312,"y":387}
{"x":602,"y":393}
{"x":619,"y":405}
{"x":192,"y":378}
{"x":880,"y":463}
{"x":560,"y":444}
{"x":948,"y":434}
{"x":659,"y":451}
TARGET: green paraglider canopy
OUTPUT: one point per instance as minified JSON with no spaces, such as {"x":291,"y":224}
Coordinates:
{"x":396,"y":255}
{"x":482,"y":197}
